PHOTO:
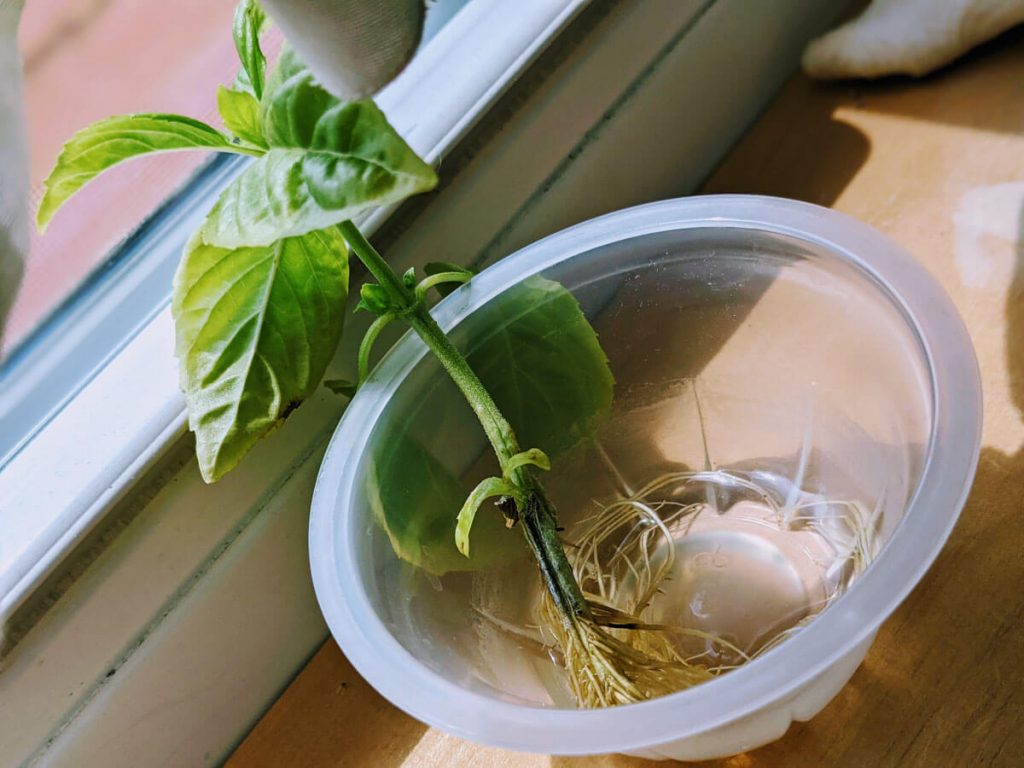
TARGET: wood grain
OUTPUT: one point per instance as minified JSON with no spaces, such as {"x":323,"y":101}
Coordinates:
{"x":939,"y":166}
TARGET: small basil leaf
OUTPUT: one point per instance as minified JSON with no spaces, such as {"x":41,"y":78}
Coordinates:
{"x":287,"y":66}
{"x":111,"y":141}
{"x":256,"y":328}
{"x":242,"y":83}
{"x":409,"y":278}
{"x":437,"y":267}
{"x":240,"y":112}
{"x":374,"y":298}
{"x":488,"y":488}
{"x":293,"y":102}
{"x":328,"y":162}
{"x":248,"y":23}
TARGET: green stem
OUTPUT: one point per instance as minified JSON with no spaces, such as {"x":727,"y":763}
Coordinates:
{"x":499,"y":431}
{"x":538,"y":514}
{"x":366,"y":346}
{"x":439,"y":279}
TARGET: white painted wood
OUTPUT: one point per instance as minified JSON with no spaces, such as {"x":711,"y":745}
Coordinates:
{"x":202,"y":608}
{"x":226,"y":647}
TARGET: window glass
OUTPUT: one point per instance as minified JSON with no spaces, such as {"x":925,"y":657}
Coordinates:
{"x":87,"y":59}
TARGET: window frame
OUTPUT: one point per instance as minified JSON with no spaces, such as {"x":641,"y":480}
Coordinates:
{"x":90,"y":326}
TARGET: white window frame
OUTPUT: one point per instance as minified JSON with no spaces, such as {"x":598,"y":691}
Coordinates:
{"x":185,"y":626}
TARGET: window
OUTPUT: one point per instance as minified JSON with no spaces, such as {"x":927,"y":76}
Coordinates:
{"x":94,"y":277}
{"x":84,"y":60}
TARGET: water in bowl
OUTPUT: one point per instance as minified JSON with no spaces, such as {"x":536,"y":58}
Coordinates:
{"x":720,"y":564}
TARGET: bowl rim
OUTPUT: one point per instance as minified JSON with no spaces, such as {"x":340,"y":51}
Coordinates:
{"x":945,"y":481}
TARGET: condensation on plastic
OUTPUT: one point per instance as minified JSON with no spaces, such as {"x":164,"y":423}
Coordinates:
{"x":756,"y":703}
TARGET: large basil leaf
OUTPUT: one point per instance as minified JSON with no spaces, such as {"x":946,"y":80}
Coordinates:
{"x":328,"y":161}
{"x":256,"y":328}
{"x":108,"y":142}
{"x":248,"y":23}
{"x":416,"y":500}
{"x":541,"y":361}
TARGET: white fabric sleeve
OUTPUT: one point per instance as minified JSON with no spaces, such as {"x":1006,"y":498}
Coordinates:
{"x":354,"y":47}
{"x":908,"y":37}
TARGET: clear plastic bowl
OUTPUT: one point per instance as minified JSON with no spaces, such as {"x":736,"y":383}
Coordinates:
{"x":796,"y":323}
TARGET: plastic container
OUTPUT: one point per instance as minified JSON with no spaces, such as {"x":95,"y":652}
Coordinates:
{"x":797,"y":324}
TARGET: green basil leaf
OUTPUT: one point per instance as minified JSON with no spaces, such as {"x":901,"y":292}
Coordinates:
{"x":241,"y":83}
{"x":293,"y":92}
{"x":488,"y":488}
{"x":409,"y":278}
{"x":240,"y":112}
{"x":374,"y":298}
{"x":437,"y":267}
{"x":541,"y":360}
{"x":248,"y":23}
{"x":328,"y":162}
{"x":108,"y":142}
{"x":256,"y":328}
{"x":417,"y":501}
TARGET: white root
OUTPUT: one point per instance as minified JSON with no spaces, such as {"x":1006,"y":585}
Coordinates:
{"x":622,"y":557}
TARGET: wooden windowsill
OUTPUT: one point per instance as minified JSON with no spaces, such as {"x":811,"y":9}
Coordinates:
{"x":938,"y":165}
